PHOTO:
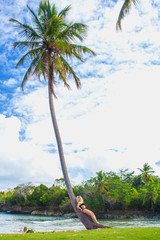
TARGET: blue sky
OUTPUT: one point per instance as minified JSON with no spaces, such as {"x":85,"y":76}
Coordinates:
{"x":111,"y":123}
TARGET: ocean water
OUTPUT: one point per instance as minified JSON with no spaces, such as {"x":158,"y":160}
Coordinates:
{"x":14,"y":223}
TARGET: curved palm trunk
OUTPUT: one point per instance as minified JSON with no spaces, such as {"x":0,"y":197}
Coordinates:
{"x":87,"y":222}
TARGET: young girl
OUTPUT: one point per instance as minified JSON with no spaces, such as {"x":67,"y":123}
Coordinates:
{"x":81,"y":206}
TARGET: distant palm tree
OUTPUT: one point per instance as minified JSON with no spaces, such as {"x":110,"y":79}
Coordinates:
{"x":50,"y":44}
{"x":126,"y":176}
{"x":101,"y":185}
{"x":146,"y":170}
{"x":124,"y":10}
{"x":150,"y":195}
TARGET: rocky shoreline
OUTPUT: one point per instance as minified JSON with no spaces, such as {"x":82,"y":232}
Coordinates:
{"x":129,"y":214}
{"x":53,"y":211}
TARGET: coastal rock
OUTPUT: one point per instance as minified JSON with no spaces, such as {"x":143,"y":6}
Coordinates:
{"x":70,"y":215}
{"x":56,"y":212}
{"x":16,"y":209}
{"x":127,"y":214}
{"x":46,"y":213}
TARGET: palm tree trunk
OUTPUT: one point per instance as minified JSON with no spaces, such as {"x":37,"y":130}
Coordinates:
{"x":87,"y":222}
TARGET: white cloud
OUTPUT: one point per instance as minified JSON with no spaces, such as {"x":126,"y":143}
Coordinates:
{"x":2,"y":97}
{"x":10,"y":82}
{"x":22,"y":162}
{"x":125,"y":120}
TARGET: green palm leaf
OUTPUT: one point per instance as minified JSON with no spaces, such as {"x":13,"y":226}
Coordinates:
{"x":27,"y":30}
{"x":76,"y":30}
{"x":30,"y":70}
{"x":124,"y":11}
{"x":71,"y":72}
{"x":36,"y":21}
{"x":64,"y":12}
{"x":31,"y":54}
{"x":27,"y":44}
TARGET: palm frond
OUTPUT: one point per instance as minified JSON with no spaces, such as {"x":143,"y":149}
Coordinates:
{"x":45,"y":11}
{"x":27,"y":44}
{"x":53,"y":10}
{"x":70,"y":50}
{"x":27,"y":30}
{"x":41,"y":14}
{"x":62,"y":76}
{"x":76,"y":30}
{"x":49,"y":20}
{"x":82,"y":49}
{"x":53,"y":27}
{"x":30,"y":70}
{"x":124,"y":11}
{"x":48,"y":9}
{"x":70,"y":71}
{"x":42,"y":68}
{"x":64,"y":12}
{"x":77,"y":51}
{"x":61,"y":71}
{"x":31,"y":54}
{"x":36,"y":20}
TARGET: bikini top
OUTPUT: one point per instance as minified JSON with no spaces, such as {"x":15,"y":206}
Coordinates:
{"x":81,"y":204}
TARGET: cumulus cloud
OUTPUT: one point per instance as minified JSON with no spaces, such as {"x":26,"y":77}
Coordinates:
{"x":123,"y":132}
{"x":10,"y":82}
{"x":23,"y":161}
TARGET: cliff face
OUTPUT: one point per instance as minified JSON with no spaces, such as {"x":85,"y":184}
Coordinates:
{"x":54,"y":211}
{"x":43,"y":211}
{"x":29,"y":210}
{"x":129,"y":214}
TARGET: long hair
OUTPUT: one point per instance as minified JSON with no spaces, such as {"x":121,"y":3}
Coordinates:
{"x":79,"y":199}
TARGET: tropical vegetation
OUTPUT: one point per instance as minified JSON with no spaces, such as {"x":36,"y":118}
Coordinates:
{"x":107,"y":191}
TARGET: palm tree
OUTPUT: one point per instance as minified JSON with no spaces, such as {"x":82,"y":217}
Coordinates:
{"x":125,"y":176}
{"x":145,"y":172}
{"x":50,"y":44}
{"x":101,"y":185}
{"x":124,"y":11}
{"x":150,"y":195}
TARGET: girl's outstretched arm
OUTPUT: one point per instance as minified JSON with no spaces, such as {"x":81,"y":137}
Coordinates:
{"x":79,"y":203}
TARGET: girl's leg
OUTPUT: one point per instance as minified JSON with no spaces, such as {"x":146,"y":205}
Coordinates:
{"x":90,"y":213}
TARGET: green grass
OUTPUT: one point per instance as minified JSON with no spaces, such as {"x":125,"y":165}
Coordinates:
{"x":109,"y":234}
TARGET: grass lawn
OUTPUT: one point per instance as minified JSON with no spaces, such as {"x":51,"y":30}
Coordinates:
{"x":109,"y":234}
